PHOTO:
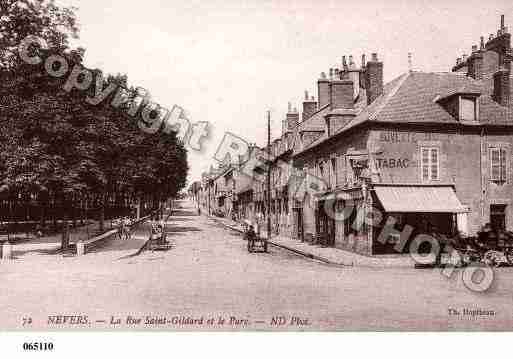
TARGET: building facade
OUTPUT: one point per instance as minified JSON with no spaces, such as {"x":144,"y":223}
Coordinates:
{"x":425,"y":152}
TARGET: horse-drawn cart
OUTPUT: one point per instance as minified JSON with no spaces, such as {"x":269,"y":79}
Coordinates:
{"x":256,"y":243}
{"x":158,"y":238}
{"x":491,"y":247}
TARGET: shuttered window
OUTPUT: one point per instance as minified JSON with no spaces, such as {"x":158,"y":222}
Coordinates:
{"x":468,"y":109}
{"x":498,"y":158}
{"x":334,"y":181}
{"x":341,"y":170}
{"x":430,"y":163}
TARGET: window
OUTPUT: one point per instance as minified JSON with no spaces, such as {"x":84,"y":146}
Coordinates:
{"x":430,"y":163}
{"x":326,"y":177}
{"x":327,"y":174}
{"x":341,"y":166}
{"x":498,"y":164}
{"x":350,"y":218}
{"x":334,"y":172}
{"x":468,"y":111}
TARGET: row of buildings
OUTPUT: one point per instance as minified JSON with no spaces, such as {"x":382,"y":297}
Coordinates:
{"x":433,"y":151}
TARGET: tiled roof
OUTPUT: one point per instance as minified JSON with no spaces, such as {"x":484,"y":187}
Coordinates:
{"x":365,"y":111}
{"x":412,"y":98}
{"x":316,"y":122}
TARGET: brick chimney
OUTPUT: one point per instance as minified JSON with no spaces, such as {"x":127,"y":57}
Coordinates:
{"x":374,"y":78}
{"x":475,"y":63}
{"x":323,"y":90}
{"x":309,"y":107}
{"x":353,"y":73}
{"x":291,"y":118}
{"x":341,"y":105}
{"x":501,"y":45}
{"x":341,"y":94}
{"x":501,"y":87}
{"x":362,"y":72}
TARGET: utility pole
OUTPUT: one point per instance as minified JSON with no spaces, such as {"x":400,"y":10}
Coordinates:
{"x":268,"y":199}
{"x":208,"y":184}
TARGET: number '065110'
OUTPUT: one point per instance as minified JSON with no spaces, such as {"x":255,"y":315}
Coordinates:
{"x":38,"y":346}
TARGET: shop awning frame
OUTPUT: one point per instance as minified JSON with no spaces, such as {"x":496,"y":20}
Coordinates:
{"x":418,"y":198}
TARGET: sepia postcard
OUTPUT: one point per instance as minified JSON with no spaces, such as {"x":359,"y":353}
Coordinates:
{"x":240,"y":166}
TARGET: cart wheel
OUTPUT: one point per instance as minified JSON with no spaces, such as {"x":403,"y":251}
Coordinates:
{"x":496,"y":264}
{"x":490,"y":260}
{"x":509,"y":258}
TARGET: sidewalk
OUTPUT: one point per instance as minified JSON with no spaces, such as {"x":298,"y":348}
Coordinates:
{"x":326,"y":254}
{"x":27,"y":242}
{"x":90,"y":238}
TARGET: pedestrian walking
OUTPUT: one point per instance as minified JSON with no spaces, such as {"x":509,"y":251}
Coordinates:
{"x":250,"y":237}
{"x":39,"y":231}
{"x":162,"y":231}
{"x":154,"y":229}
{"x":126,"y":225}
{"x":121,"y":228}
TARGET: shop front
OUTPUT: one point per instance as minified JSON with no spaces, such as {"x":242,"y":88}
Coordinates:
{"x":337,"y":220}
{"x":415,"y":209}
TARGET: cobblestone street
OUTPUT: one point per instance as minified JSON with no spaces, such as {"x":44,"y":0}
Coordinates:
{"x":209,"y":273}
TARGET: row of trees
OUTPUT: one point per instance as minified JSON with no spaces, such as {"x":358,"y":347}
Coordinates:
{"x":61,"y":157}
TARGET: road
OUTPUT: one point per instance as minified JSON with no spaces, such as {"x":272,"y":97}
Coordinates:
{"x":209,"y":281}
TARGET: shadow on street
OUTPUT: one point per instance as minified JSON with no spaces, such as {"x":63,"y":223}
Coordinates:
{"x":183,"y":212}
{"x":180,"y":229}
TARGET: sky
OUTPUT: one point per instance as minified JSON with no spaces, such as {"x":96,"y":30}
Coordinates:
{"x":228,"y":62}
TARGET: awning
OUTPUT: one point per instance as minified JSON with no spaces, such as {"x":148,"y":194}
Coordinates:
{"x":416,"y":198}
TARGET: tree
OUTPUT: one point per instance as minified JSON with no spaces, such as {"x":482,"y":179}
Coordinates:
{"x":58,"y":150}
{"x":42,"y":18}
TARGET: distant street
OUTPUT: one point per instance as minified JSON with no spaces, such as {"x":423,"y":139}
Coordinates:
{"x":209,"y":274}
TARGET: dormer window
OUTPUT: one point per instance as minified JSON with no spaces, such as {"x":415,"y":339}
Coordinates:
{"x":468,"y":108}
{"x":462,"y":105}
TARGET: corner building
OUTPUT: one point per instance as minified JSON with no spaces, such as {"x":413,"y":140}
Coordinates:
{"x":432,"y":150}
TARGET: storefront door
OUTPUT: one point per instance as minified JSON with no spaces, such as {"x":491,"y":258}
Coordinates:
{"x":498,"y":216}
